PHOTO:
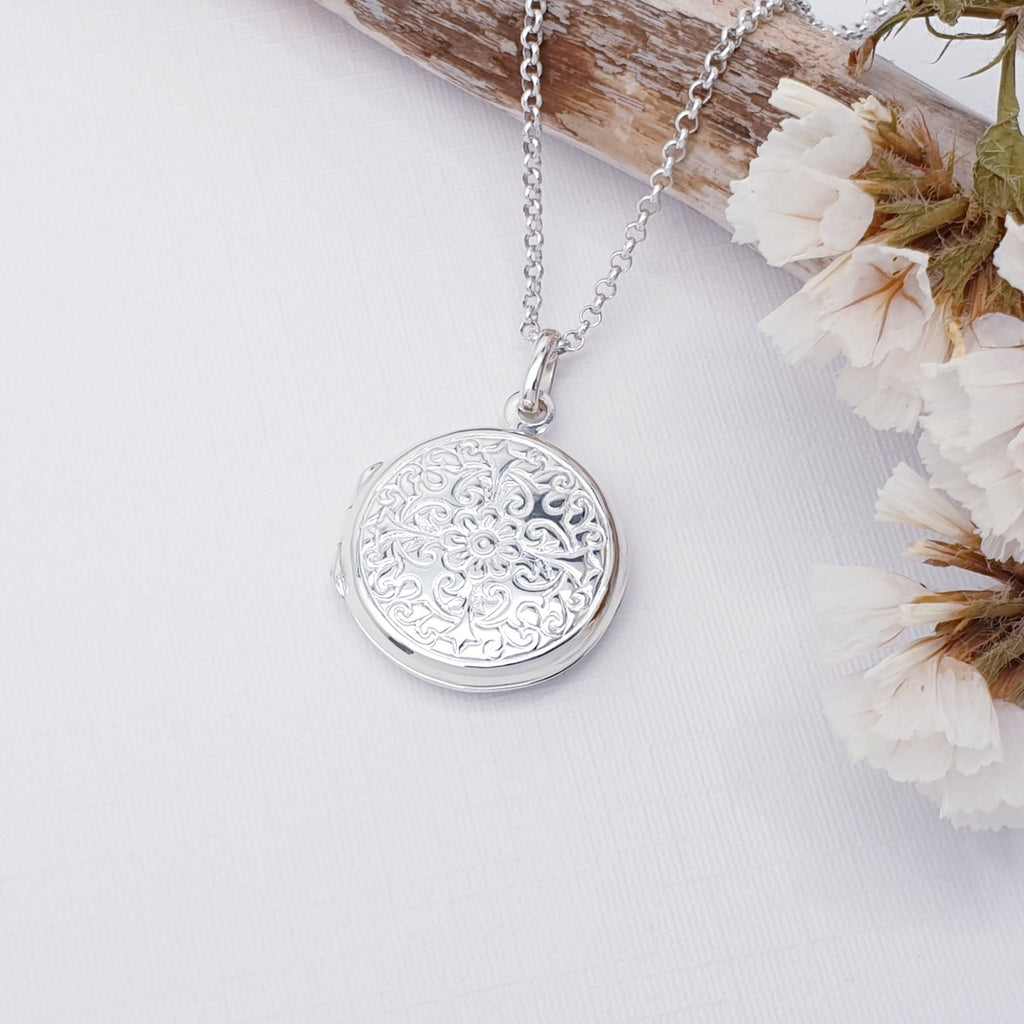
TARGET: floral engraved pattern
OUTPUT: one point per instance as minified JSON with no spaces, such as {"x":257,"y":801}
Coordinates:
{"x":484,"y":546}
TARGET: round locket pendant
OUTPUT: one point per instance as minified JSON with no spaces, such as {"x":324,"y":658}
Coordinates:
{"x":482,"y":560}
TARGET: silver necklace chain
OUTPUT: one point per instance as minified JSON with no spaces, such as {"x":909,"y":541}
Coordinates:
{"x":686,"y":123}
{"x":859,"y":30}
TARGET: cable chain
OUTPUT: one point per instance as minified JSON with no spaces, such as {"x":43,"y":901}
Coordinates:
{"x":531,"y":69}
{"x":686,"y":122}
{"x":871,"y":20}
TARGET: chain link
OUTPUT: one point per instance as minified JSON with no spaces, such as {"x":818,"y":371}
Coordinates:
{"x":686,"y":122}
{"x":871,"y":20}
{"x":530,"y":69}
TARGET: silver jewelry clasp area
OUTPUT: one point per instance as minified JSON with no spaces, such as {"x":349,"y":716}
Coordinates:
{"x":532,"y":409}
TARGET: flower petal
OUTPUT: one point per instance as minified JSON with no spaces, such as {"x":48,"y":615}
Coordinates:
{"x":992,"y":796}
{"x":829,"y":140}
{"x":793,"y":212}
{"x":880,"y":303}
{"x":994,"y":330}
{"x":918,"y":715}
{"x":800,"y":100}
{"x":910,"y":500}
{"x":848,"y":706}
{"x":887,"y":394}
{"x":796,"y":327}
{"x":973,"y":441}
{"x":1009,"y":255}
{"x":872,"y":111}
{"x":858,"y":609}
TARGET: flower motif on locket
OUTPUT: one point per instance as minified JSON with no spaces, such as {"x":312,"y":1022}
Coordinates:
{"x":482,"y":543}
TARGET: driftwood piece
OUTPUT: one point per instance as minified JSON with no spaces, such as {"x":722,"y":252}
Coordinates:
{"x":616,"y":73}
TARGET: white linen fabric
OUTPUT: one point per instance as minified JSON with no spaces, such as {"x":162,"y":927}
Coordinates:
{"x":247,"y":252}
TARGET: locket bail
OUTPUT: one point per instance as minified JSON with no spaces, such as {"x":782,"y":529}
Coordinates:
{"x":531,"y":410}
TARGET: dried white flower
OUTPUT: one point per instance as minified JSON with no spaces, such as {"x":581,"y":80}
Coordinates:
{"x":918,"y":715}
{"x":973,"y":441}
{"x":887,"y":393}
{"x":793,"y":212}
{"x":872,"y":111}
{"x":909,"y":500}
{"x":993,"y":796}
{"x":797,"y":201}
{"x":859,"y":609}
{"x":865,"y":305}
{"x":1009,"y":255}
{"x":800,"y":100}
{"x":823,"y":133}
{"x":942,"y":712}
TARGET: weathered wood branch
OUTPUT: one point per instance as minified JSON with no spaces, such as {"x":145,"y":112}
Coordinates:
{"x":616,"y":73}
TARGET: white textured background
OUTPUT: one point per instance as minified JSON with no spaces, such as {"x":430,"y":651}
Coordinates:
{"x":246,"y":252}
